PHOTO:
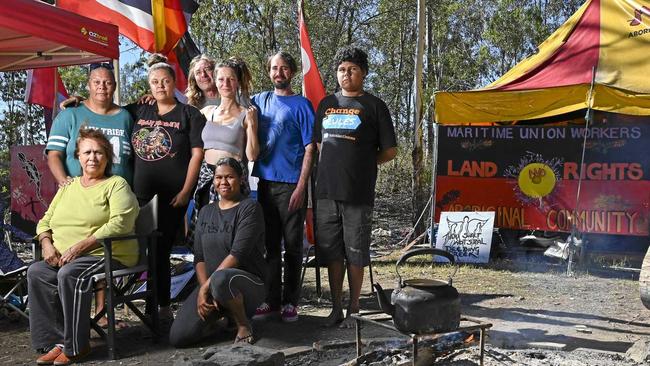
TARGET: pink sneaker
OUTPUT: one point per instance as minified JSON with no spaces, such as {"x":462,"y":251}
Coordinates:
{"x":264,"y":311}
{"x":289,"y":313}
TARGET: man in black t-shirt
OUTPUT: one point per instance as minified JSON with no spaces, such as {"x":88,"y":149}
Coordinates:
{"x":355,"y":133}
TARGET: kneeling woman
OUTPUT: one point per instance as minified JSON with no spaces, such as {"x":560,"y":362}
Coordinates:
{"x":229,"y":259}
{"x":94,"y":206}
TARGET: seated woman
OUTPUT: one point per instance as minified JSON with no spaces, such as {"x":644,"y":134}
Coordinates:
{"x":94,"y":206}
{"x":229,"y":260}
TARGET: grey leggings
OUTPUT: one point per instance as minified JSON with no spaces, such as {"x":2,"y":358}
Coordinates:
{"x":188,"y":328}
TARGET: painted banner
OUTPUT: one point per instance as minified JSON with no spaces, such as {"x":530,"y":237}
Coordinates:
{"x":466,"y":235}
{"x":32,"y":186}
{"x":528,"y":175}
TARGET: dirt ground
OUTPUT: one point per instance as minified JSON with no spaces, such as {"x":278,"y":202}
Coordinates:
{"x":539,"y":316}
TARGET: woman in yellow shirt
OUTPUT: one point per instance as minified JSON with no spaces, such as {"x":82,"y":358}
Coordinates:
{"x":94,"y":206}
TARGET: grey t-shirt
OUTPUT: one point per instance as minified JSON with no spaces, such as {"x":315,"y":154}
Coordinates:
{"x":238,"y":231}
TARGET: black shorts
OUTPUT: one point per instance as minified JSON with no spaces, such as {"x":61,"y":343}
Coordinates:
{"x":343,"y":231}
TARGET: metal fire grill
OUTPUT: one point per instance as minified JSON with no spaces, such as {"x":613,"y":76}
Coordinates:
{"x":386,"y":322}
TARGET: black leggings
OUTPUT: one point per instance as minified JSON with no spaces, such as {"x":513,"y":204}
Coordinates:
{"x":188,"y":328}
{"x":170,"y":221}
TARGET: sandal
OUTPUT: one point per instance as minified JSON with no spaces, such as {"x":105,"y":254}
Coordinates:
{"x":250,"y":339}
{"x":119,"y":324}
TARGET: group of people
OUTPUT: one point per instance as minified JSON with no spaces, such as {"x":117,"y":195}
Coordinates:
{"x":107,"y":159}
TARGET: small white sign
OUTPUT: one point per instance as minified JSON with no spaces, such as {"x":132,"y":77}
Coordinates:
{"x":466,"y":235}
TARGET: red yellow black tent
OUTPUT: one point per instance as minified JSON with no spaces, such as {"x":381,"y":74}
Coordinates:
{"x":607,"y":41}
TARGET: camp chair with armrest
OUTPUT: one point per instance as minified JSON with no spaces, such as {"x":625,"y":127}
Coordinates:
{"x":120,"y":292}
{"x":13,"y":274}
{"x":146,"y":227}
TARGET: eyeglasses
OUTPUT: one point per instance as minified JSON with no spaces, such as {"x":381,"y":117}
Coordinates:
{"x":97,"y":65}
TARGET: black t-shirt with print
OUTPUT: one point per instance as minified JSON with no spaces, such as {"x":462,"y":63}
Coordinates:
{"x":238,"y":231}
{"x":162,"y":147}
{"x":351,"y":130}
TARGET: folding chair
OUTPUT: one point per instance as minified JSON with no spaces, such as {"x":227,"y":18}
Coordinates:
{"x":146,"y":227}
{"x":120,"y":282}
{"x":13,"y":274}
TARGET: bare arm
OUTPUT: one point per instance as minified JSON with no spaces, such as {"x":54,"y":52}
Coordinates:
{"x":229,"y":262}
{"x":201,"y":273}
{"x":55,"y":163}
{"x":298,"y":196}
{"x":73,"y":101}
{"x":50,"y":255}
{"x":204,"y":305}
{"x":84,"y":246}
{"x":183,"y":197}
{"x":252,"y":143}
{"x":387,"y":155}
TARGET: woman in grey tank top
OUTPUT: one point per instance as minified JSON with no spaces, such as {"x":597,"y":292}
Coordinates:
{"x":231,"y":130}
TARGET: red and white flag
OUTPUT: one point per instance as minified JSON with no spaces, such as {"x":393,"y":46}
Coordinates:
{"x":312,"y":84}
{"x":312,"y":89}
{"x":40,"y":90}
{"x":40,"y":87}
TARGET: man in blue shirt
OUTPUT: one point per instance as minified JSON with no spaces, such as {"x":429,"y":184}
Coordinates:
{"x":283,"y":167}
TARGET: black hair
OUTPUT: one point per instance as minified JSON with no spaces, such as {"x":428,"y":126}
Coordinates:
{"x":233,"y":163}
{"x":354,"y":55}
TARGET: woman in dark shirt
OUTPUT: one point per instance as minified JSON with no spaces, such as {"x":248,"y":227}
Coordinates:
{"x":229,"y":259}
{"x":168,"y":150}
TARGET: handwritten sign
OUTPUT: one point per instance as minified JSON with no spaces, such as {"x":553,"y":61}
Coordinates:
{"x":466,"y":235}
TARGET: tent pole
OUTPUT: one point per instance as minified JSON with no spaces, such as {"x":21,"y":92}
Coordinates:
{"x":116,"y":72}
{"x":574,"y":227}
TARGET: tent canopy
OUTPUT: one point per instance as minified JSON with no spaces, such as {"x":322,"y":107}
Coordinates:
{"x":607,"y":41}
{"x":34,"y":34}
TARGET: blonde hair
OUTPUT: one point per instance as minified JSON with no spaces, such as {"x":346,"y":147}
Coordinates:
{"x":194,"y":94}
{"x":243,"y":77}
{"x":157,"y":61}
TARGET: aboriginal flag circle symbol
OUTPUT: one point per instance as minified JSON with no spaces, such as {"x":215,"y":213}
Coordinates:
{"x":536,"y":180}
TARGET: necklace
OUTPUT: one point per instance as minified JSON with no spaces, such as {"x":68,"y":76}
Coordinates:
{"x":224,"y":108}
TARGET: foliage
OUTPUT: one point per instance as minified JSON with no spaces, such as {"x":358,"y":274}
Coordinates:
{"x":133,"y":81}
{"x":75,"y":79}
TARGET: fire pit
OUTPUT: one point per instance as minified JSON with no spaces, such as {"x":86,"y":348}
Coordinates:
{"x":467,"y":326}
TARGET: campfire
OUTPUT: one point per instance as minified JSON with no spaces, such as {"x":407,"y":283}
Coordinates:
{"x":399,"y":352}
{"x":421,"y":349}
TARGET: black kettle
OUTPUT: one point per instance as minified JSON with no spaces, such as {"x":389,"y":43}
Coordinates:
{"x":422,"y":306}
